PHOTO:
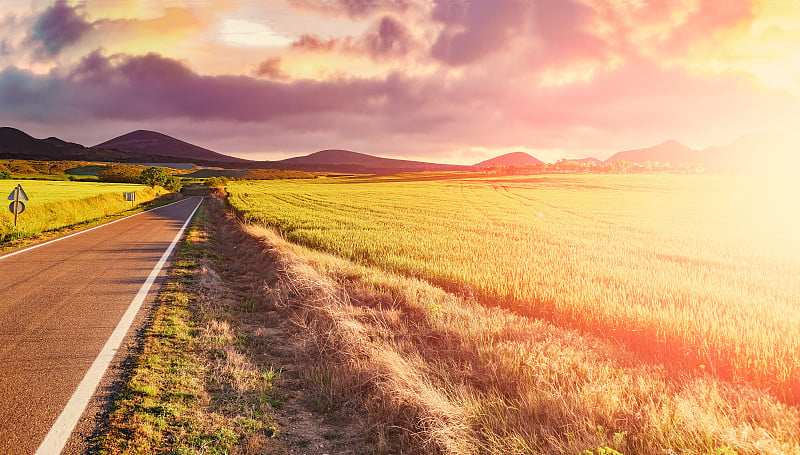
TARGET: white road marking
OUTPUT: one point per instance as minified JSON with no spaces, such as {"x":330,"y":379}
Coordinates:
{"x":80,"y":232}
{"x":62,"y":428}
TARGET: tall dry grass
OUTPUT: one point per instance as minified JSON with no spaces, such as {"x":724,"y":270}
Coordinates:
{"x":436,"y":373}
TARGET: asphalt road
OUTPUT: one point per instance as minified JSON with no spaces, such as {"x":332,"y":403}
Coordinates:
{"x":59,"y":304}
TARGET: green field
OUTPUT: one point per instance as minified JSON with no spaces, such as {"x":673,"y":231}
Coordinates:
{"x":697,"y":272}
{"x":56,"y":204}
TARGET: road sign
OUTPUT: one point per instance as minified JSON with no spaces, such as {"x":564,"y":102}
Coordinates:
{"x":16,"y":207}
{"x":21,"y":196}
{"x":17,"y":195}
{"x":130,"y":196}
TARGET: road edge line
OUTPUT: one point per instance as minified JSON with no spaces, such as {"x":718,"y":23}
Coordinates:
{"x":81,"y":232}
{"x":64,"y":425}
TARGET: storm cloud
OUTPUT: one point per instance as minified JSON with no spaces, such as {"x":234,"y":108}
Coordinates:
{"x":151,"y":86}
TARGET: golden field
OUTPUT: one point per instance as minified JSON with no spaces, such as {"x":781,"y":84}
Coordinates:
{"x":551,"y":314}
{"x":698,"y":271}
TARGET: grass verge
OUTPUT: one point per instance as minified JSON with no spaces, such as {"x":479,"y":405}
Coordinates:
{"x":190,"y":389}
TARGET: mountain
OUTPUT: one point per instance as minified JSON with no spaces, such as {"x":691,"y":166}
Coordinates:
{"x":769,"y":152}
{"x":16,"y":144}
{"x":13,"y":140}
{"x":514,"y":158}
{"x":670,"y":151}
{"x":152,"y":147}
{"x":154,"y":143}
{"x":756,"y":153}
{"x":347,"y":161}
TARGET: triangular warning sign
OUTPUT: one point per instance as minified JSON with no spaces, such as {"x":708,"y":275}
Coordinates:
{"x":22,"y":195}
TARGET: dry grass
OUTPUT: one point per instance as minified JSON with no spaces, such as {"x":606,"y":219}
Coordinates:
{"x":451,"y":376}
{"x":193,"y":389}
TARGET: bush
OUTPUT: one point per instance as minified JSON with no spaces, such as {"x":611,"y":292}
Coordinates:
{"x":120,"y":173}
{"x":5,"y":175}
{"x":216,"y":182}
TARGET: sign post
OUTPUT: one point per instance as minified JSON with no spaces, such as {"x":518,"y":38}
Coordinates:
{"x":130,"y":197}
{"x":17,"y":195}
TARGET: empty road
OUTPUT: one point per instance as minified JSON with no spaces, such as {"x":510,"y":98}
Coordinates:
{"x":59,"y":305}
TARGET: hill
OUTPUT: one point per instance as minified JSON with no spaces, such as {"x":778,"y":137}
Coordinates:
{"x":16,"y":144}
{"x":759,"y":153}
{"x":145,"y":142}
{"x":347,"y":161}
{"x":13,"y":141}
{"x":670,"y":151}
{"x":514,"y":158}
{"x":770,"y":153}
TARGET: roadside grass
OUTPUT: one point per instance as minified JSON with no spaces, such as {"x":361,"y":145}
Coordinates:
{"x":437,"y":373}
{"x":191,"y":389}
{"x":56,"y":208}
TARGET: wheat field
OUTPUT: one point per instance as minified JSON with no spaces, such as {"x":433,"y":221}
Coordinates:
{"x":697,"y":272}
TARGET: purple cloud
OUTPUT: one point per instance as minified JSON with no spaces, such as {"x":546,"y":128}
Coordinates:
{"x":387,"y":38}
{"x":59,"y":27}
{"x":477,"y":28}
{"x":151,"y":86}
{"x":314,"y":43}
{"x":391,"y":38}
{"x":538,"y":30}
{"x":355,"y":9}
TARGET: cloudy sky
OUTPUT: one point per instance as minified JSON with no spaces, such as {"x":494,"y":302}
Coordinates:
{"x":451,"y":81}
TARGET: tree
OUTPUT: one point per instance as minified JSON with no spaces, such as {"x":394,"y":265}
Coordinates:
{"x":173,"y":183}
{"x":120,"y":173}
{"x":5,"y":175}
{"x":154,"y":176}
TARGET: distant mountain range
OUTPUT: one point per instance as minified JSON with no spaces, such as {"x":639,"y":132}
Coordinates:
{"x":143,"y":146}
{"x":755,"y":153}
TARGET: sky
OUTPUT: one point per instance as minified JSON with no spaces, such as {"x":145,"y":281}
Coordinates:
{"x":451,"y":81}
